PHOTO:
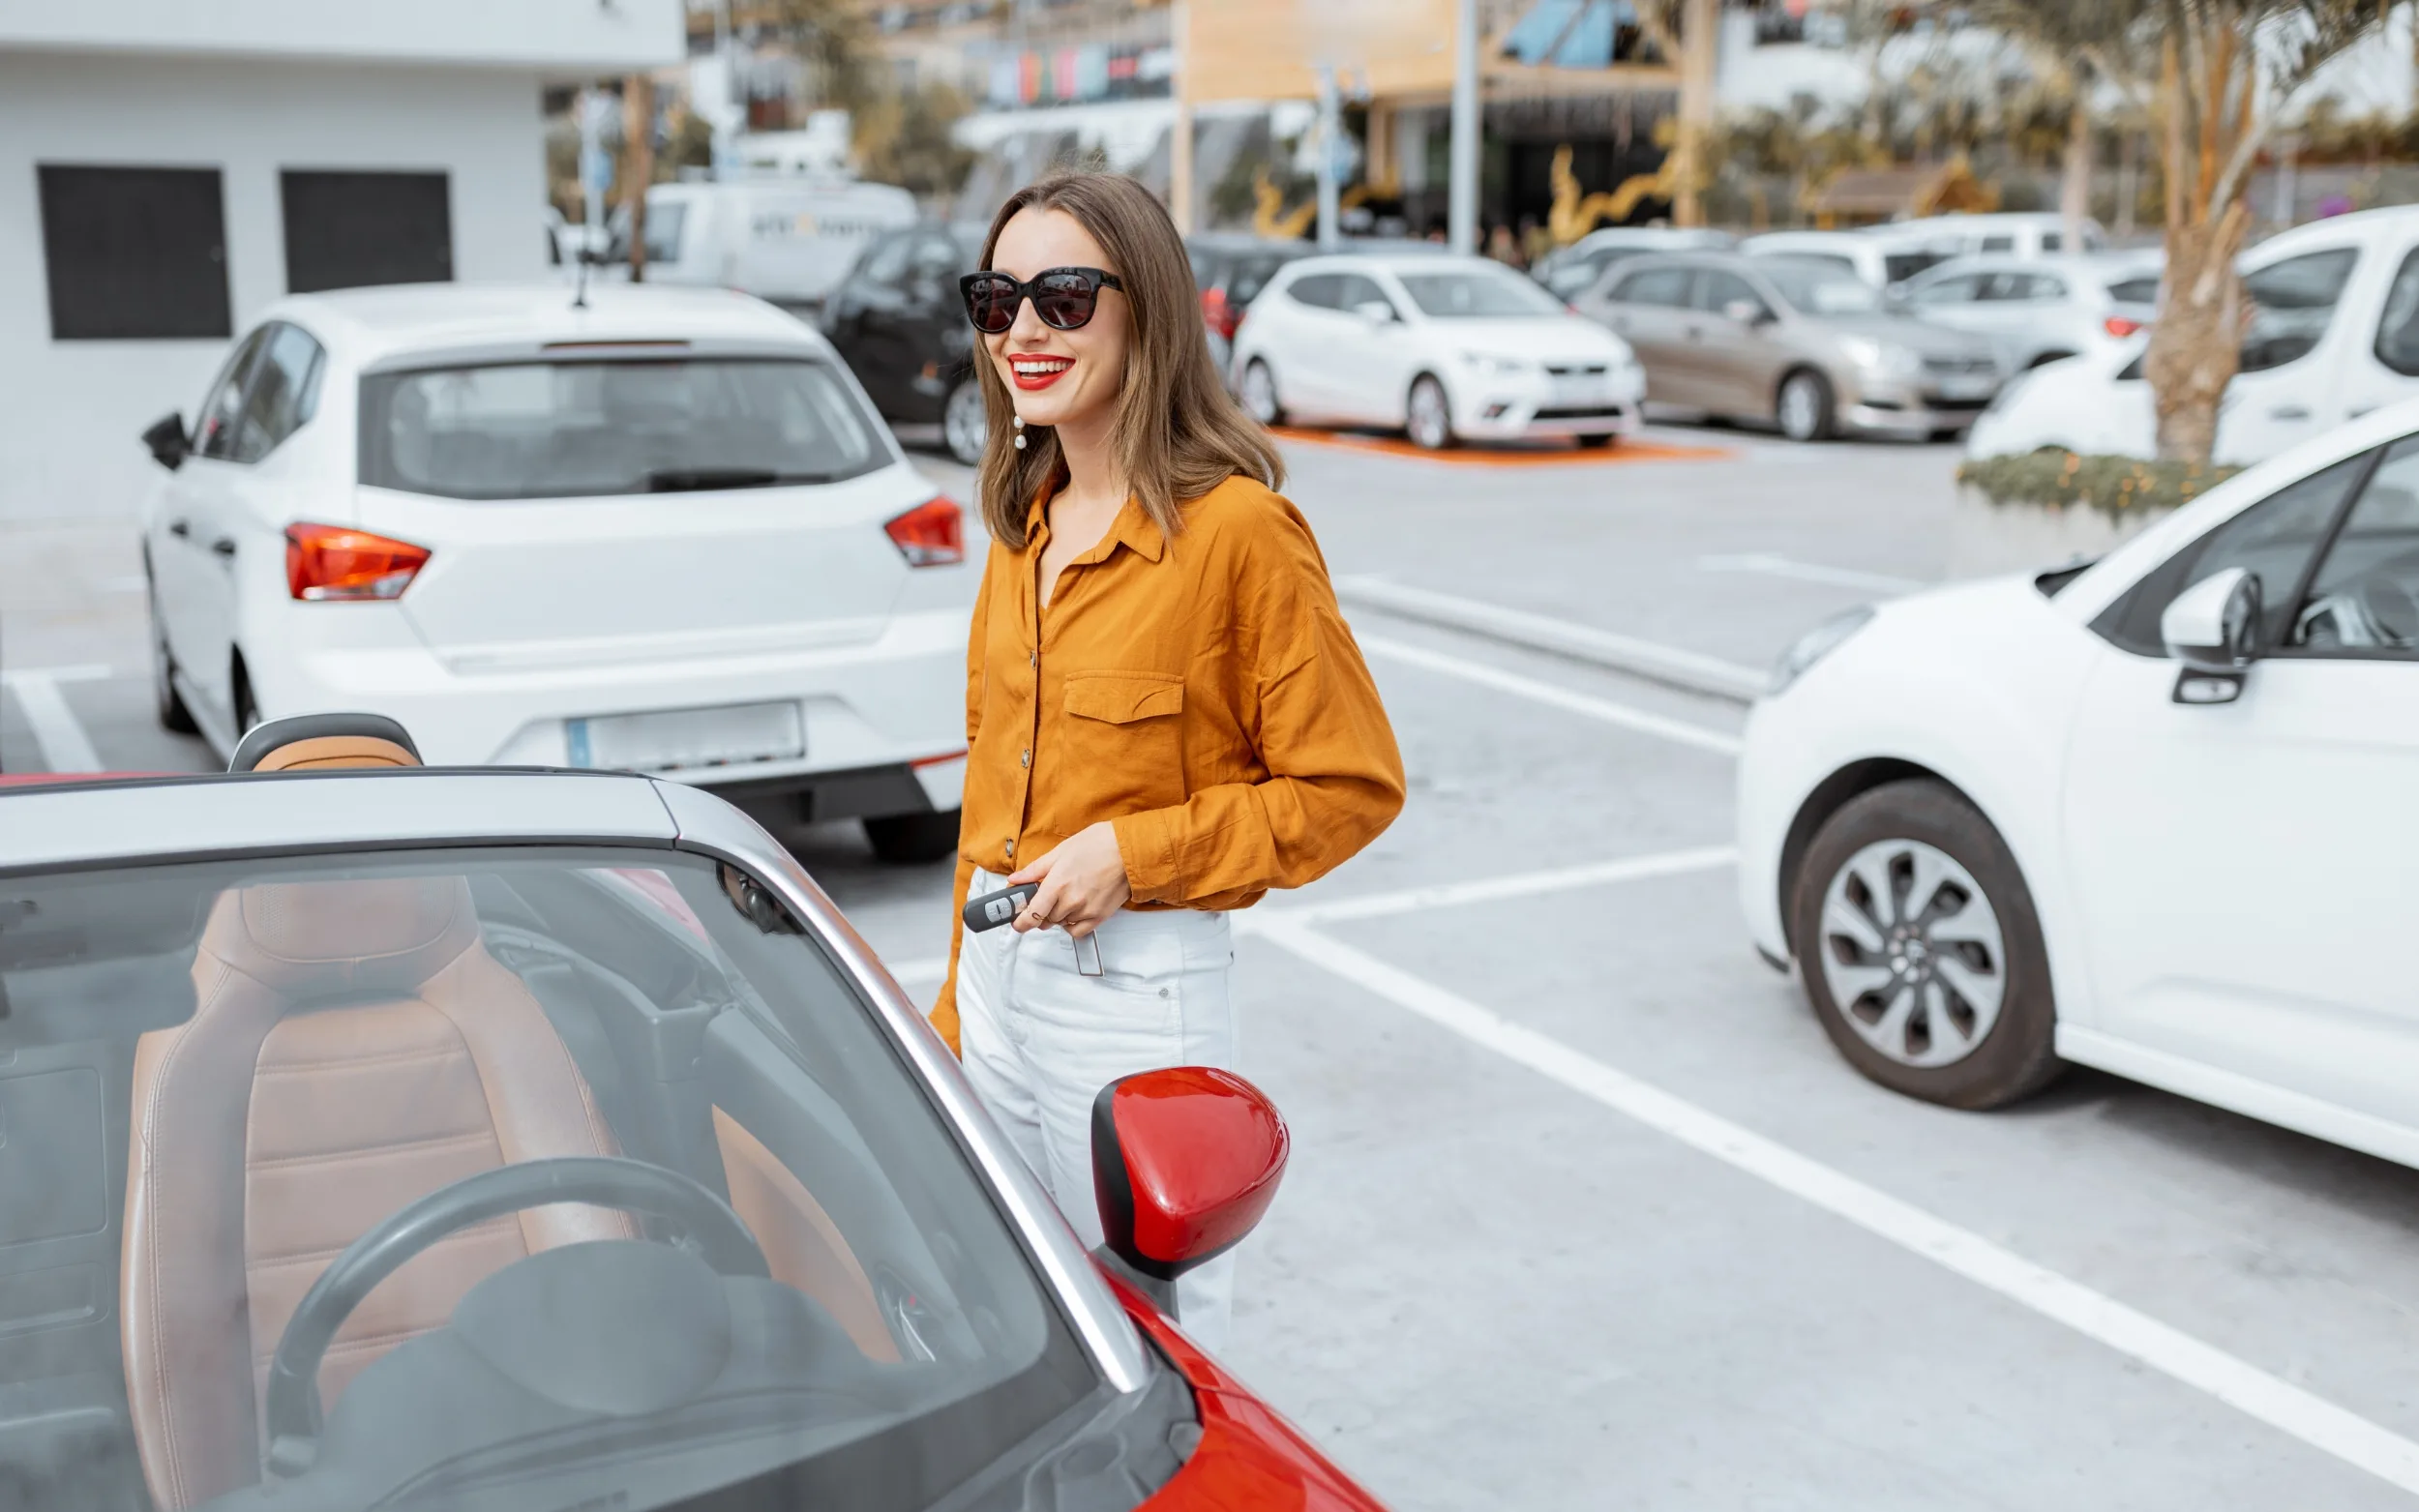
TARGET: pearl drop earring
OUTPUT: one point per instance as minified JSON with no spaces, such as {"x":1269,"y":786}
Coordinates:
{"x":1019,"y":422}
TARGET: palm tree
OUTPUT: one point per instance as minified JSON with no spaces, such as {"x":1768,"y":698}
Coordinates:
{"x":2080,"y":45}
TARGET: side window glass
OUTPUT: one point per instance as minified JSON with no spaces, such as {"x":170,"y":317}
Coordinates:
{"x":937,"y":258}
{"x":2291,"y":303}
{"x":214,"y":428}
{"x":284,"y":392}
{"x":2398,"y":329}
{"x":2040,"y":285}
{"x":1718,"y":291}
{"x":2366,"y":594}
{"x":1654,"y":287}
{"x":888,"y":261}
{"x":2276,"y":539}
{"x":1359,"y":291}
{"x":1319,"y":290}
{"x":1958,"y":290}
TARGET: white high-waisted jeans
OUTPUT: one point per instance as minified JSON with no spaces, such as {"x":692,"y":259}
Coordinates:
{"x":1039,"y":1040}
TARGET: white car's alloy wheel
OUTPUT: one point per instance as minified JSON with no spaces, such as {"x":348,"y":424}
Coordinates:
{"x":964,"y":427}
{"x":1430,"y":422}
{"x":1912,"y":953}
{"x":1260,"y":394}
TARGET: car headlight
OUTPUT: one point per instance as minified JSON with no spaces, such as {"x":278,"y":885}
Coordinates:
{"x":1887,"y":359}
{"x":1815,"y":645}
{"x":1493,"y":366}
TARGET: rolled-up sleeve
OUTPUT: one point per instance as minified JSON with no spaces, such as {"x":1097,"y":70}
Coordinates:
{"x":1335,"y":776}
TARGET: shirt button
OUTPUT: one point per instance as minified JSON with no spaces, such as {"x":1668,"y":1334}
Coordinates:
{"x":1032,"y":659}
{"x":1025,"y":758}
{"x":1010,"y":847}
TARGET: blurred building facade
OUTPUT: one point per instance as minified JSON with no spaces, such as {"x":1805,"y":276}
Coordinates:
{"x":168,"y":167}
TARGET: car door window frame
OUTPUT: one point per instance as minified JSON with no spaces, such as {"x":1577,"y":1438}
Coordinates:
{"x":2350,"y":264}
{"x":2122,"y":623}
{"x":2404,"y":450}
{"x":2402,"y":289}
{"x":305,"y":401}
{"x":235,"y":381}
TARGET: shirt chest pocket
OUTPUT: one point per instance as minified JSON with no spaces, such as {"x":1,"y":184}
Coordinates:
{"x":1124,"y":737}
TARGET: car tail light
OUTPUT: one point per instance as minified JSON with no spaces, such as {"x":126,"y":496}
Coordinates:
{"x":329,"y":562}
{"x":1219,"y":316}
{"x":2118,"y":325}
{"x":932,"y":534}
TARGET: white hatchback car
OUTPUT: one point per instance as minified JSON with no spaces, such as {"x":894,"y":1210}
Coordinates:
{"x":2153,"y":815}
{"x":661,"y":530}
{"x":1447,"y":349}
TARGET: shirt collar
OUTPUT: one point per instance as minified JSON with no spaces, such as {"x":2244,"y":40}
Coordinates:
{"x":1134,"y":529}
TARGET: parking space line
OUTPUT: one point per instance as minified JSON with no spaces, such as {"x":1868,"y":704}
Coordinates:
{"x":1446,"y":895}
{"x":57,"y":732}
{"x":1689,"y":670}
{"x":1771,"y":566}
{"x":1493,"y":889}
{"x":1603,"y":711}
{"x":2314,"y":1420}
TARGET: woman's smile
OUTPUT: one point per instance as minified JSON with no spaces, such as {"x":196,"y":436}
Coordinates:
{"x":1034,"y":370}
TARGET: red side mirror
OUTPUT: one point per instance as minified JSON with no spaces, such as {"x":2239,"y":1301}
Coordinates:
{"x":1184,"y":1160}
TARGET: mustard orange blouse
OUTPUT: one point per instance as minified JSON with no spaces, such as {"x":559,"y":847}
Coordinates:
{"x":1202,"y":694}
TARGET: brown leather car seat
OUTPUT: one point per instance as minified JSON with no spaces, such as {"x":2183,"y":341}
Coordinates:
{"x":353,"y":1047}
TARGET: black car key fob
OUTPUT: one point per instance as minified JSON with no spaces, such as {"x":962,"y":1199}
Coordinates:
{"x":993,"y":909}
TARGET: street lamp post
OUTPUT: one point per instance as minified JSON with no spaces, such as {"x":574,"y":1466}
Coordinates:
{"x":1463,"y":216}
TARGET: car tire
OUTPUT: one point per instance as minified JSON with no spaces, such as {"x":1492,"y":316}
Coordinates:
{"x":1596,"y":443}
{"x":1951,"y":1001}
{"x":911,"y":838}
{"x":1259,"y":394}
{"x":1428,"y":415}
{"x":964,"y":429}
{"x":169,"y":704}
{"x":1804,"y":407}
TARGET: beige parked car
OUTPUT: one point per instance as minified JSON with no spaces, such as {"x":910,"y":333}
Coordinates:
{"x":1806,"y":345}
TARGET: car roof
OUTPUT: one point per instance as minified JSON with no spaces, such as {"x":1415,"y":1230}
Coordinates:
{"x":369,"y":324}
{"x":2093,"y":265}
{"x":1392,"y":261}
{"x":2360,"y":227}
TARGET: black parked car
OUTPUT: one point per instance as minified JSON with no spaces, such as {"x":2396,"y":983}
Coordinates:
{"x":898,"y":322}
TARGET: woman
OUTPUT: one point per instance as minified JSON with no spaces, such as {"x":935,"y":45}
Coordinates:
{"x":1165,"y":714}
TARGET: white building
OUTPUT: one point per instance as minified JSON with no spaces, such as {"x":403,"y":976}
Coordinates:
{"x":168,"y":167}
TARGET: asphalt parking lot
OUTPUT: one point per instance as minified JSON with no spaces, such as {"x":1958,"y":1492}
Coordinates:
{"x":1584,"y":1210}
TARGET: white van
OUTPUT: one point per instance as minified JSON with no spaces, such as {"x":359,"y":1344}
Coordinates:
{"x":787,"y":241}
{"x":2025,"y":233}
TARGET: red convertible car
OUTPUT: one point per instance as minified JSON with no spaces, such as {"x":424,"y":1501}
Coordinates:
{"x":373,"y":1136}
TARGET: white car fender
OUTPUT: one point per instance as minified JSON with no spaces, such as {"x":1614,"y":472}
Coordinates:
{"x":1975,"y":684}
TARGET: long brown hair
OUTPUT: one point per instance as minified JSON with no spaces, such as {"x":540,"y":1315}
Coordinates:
{"x":1178,"y":434}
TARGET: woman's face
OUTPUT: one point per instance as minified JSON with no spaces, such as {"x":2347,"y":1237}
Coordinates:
{"x":1059,"y":378}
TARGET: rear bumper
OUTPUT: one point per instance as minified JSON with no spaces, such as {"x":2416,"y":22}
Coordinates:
{"x":885,"y":721}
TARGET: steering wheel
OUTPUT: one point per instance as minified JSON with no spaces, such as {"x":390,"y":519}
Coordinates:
{"x":703,"y":1222}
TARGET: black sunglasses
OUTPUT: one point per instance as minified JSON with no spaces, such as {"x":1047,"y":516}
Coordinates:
{"x":1064,"y":297}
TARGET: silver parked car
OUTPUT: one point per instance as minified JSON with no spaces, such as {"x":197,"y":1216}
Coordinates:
{"x":1581,"y":263}
{"x":2038,"y":309}
{"x":1806,"y":345}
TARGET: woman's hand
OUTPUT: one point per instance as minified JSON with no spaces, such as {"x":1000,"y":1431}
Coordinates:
{"x":1082,"y":881}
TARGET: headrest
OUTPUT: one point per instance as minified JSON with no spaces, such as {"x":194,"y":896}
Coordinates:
{"x":305,"y":742}
{"x":309,"y":938}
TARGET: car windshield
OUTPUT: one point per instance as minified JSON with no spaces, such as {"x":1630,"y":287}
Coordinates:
{"x":426,"y":1058}
{"x":1817,"y":288}
{"x":578,"y":430}
{"x":1476,"y":296}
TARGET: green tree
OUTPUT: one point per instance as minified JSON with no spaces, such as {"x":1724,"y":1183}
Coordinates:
{"x":907,"y":138}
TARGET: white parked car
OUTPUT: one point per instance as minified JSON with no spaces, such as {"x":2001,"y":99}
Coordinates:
{"x":2150,"y":815}
{"x":2038,"y":309}
{"x":662,"y":532}
{"x":1447,"y":349}
{"x":1881,"y":255}
{"x":2334,"y":333}
{"x":2019,"y":233}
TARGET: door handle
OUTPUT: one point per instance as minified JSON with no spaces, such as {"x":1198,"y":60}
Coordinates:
{"x":224,"y":546}
{"x":2288,"y":412}
{"x":179,"y":529}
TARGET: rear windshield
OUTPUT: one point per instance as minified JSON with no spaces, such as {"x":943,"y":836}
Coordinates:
{"x":2139,"y":291}
{"x":1899,"y":267}
{"x":584,"y":430}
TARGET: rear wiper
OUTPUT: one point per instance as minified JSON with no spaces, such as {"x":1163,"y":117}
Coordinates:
{"x":692,"y":479}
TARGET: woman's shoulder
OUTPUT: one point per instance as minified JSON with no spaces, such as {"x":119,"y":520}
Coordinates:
{"x":1242,"y":510}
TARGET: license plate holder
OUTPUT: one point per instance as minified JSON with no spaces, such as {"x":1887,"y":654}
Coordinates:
{"x":679,"y":740}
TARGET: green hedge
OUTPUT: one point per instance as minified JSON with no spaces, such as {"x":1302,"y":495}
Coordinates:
{"x":2111,"y":484}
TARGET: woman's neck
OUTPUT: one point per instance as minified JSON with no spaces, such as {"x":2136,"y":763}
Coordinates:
{"x":1094,"y":479}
